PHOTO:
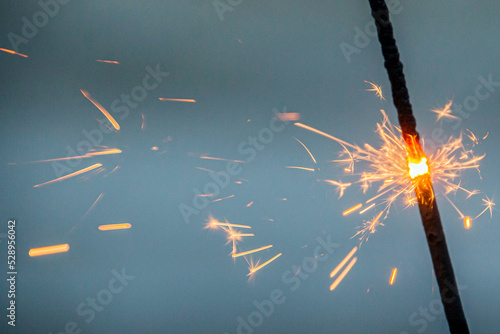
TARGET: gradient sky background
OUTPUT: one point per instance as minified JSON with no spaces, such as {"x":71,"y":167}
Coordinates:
{"x":262,"y":55}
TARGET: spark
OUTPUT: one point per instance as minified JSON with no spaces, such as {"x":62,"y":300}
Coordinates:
{"x":177,"y":100}
{"x":101,"y":108}
{"x":48,"y":250}
{"x":249,"y":204}
{"x":472,"y":137}
{"x":214,"y":223}
{"x":446,"y":112}
{"x":376,"y":89}
{"x":303,"y":168}
{"x":87,"y":155}
{"x":110,"y":227}
{"x":81,"y":171}
{"x":154,"y":148}
{"x":251,"y":251}
{"x":393,"y":276}
{"x":108,"y":61}
{"x":489,"y":206}
{"x":366,"y":209}
{"x":220,"y":199}
{"x":143,"y":125}
{"x":343,"y":274}
{"x":351,"y":210}
{"x":258,"y":267}
{"x":343,"y":262}
{"x":467,"y":222}
{"x":310,"y":154}
{"x":369,"y":227}
{"x":340,"y":186}
{"x":14,"y":52}
{"x":288,"y":116}
{"x":220,"y":159}
{"x":94,"y":204}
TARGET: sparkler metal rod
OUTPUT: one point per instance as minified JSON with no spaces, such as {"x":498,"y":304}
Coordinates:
{"x":426,"y":200}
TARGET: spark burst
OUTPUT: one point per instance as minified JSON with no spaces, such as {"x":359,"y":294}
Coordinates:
{"x":233,"y":236}
{"x":396,"y":178}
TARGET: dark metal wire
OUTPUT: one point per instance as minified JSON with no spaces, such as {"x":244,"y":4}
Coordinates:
{"x":429,"y":212}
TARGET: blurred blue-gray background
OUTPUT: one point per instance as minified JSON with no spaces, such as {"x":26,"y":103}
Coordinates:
{"x":239,"y":60}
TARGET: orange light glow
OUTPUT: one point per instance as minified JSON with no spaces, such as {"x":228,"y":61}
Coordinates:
{"x":418,"y":168}
{"x":467,"y":222}
{"x":393,"y":276}
{"x":101,"y":108}
{"x":108,"y":61}
{"x":250,"y":204}
{"x":110,"y":227}
{"x":254,"y":269}
{"x":14,"y":52}
{"x":49,"y":250}
{"x":343,"y":274}
{"x":81,"y":171}
{"x":288,"y":116}
{"x":251,"y":251}
{"x":177,"y":100}
{"x":351,"y":210}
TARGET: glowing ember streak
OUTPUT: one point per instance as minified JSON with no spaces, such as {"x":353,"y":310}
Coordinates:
{"x":366,"y":209}
{"x":220,"y":199}
{"x":154,"y":148}
{"x":239,"y":235}
{"x":252,"y":251}
{"x":376,"y":89}
{"x":177,"y":100}
{"x":347,"y":170}
{"x":288,"y":116}
{"x":467,"y":222}
{"x":343,"y":262}
{"x":254,"y":269}
{"x":250,"y":204}
{"x":108,"y":61}
{"x":418,"y":168}
{"x":446,"y":112}
{"x":220,"y":159}
{"x":303,"y":168}
{"x":393,"y":276}
{"x":101,"y":108}
{"x":13,"y":52}
{"x":143,"y":125}
{"x":87,"y":155}
{"x":343,"y":274}
{"x":324,"y":134}
{"x":81,"y":171}
{"x":310,"y":154}
{"x":351,"y":210}
{"x":49,"y":250}
{"x":110,"y":227}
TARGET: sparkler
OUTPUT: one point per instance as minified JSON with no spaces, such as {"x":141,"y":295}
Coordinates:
{"x":422,"y":182}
